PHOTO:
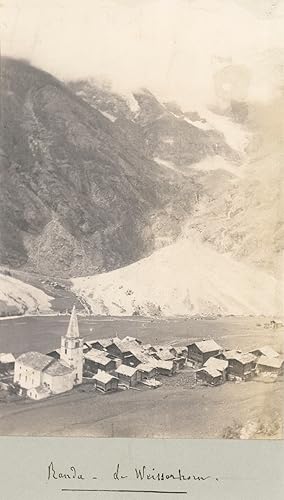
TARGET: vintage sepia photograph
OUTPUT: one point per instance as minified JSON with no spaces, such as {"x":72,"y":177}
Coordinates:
{"x":142,"y":218}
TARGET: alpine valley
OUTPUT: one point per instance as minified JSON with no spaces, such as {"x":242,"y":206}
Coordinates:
{"x":130,"y":205}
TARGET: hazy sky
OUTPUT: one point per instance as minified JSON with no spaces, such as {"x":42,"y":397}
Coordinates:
{"x":172,"y":46}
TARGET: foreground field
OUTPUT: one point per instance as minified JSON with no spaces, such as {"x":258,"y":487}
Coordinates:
{"x":176,"y":409}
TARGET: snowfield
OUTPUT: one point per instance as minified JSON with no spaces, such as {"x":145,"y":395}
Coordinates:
{"x":185,"y":278}
{"x":236,"y":135}
{"x":20,"y":297}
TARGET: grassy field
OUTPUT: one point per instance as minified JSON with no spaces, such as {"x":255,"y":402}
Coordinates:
{"x":176,"y":409}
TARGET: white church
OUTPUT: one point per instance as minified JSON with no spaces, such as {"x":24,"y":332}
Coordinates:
{"x":40,"y":375}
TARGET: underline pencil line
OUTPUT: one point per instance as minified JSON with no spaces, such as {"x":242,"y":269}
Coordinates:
{"x":161,"y":492}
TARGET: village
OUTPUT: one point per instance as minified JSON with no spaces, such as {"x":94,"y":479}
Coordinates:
{"x":113,"y":364}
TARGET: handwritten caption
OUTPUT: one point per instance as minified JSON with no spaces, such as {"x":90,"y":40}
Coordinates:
{"x":141,"y":473}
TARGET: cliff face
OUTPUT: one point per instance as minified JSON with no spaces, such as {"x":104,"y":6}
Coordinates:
{"x":76,"y":195}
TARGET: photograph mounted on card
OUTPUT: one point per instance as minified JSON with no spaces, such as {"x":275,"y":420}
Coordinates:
{"x":141,"y":219}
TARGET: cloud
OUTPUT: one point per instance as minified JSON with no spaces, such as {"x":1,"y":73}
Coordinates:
{"x":173,"y":47}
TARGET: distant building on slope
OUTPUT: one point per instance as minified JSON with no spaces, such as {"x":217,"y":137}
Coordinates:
{"x":41,"y":375}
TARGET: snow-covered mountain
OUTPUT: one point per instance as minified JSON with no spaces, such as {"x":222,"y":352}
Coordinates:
{"x":17,"y":297}
{"x":185,"y":278}
{"x":182,"y":208}
{"x":229,"y":259}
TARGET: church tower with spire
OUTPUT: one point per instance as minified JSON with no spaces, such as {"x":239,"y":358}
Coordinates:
{"x":71,"y":352}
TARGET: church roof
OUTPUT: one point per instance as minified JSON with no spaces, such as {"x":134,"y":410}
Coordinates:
{"x":73,"y":328}
{"x":35,"y":360}
{"x":57,"y":369}
{"x":44,"y":363}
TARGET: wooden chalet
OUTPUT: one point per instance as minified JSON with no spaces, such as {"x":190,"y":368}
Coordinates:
{"x":98,"y":360}
{"x":220,"y":365}
{"x":100,"y":344}
{"x":166,"y":368}
{"x":200,"y":352}
{"x":266,"y":350}
{"x":209,"y":376}
{"x":128,"y":375}
{"x":242,"y":366}
{"x":105,"y":382}
{"x":148,"y":370}
{"x":7,"y":362}
{"x":273,"y":366}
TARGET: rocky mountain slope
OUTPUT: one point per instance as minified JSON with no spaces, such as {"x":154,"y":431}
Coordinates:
{"x":149,"y":195}
{"x":163,"y":130}
{"x":76,"y":194}
{"x":230,"y":258}
{"x":246,"y":220}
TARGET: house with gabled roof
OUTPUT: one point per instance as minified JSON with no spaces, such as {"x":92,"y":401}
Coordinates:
{"x":218,"y":364}
{"x":209,"y":376}
{"x":100,"y":344}
{"x":166,"y":368}
{"x":105,"y":382}
{"x":266,"y":350}
{"x":128,"y":375}
{"x":273,"y":366}
{"x":200,"y":352}
{"x":148,"y":370}
{"x":241,"y":366}
{"x":7,"y":362}
{"x":98,"y":360}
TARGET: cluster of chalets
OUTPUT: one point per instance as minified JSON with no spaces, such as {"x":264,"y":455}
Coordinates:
{"x":113,"y":363}
{"x":124,"y":363}
{"x":215,"y":365}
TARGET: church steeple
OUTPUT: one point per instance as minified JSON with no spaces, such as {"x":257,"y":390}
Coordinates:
{"x":71,"y":352}
{"x":73,"y":328}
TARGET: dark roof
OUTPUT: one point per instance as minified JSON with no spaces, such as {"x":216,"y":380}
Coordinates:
{"x":103,"y":342}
